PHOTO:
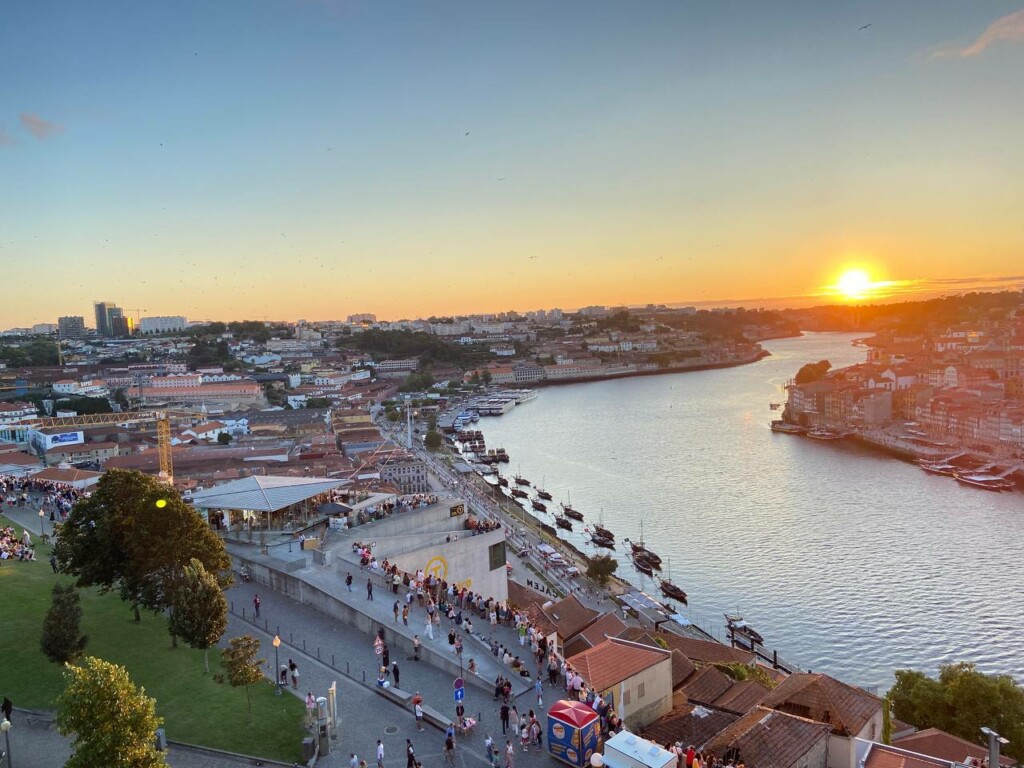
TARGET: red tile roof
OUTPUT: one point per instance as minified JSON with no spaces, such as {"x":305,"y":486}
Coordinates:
{"x":65,"y":475}
{"x":689,"y":724}
{"x":707,"y":685}
{"x":616,"y":660}
{"x":608,"y":625}
{"x":764,"y":737}
{"x":881,"y":756}
{"x":742,"y":696}
{"x":945,"y":746}
{"x":570,"y":616}
{"x":826,"y":700}
{"x":699,"y":651}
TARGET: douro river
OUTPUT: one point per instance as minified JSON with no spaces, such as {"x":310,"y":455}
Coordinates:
{"x":846,"y":561}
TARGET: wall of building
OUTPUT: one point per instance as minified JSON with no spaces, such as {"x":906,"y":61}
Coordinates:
{"x":465,"y":562}
{"x":656,"y":701}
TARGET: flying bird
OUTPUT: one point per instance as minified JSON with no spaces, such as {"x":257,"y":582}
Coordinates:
{"x":864,"y":27}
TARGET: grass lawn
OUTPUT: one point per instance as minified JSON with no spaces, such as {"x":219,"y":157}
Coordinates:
{"x":194,"y":707}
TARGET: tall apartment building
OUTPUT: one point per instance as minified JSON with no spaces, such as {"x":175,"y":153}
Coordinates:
{"x":363,"y":317}
{"x":71,"y":327}
{"x":120,"y":326}
{"x":163,"y":324}
{"x":106,"y":312}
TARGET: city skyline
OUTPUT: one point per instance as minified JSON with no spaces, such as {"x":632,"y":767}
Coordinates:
{"x":310,"y":160}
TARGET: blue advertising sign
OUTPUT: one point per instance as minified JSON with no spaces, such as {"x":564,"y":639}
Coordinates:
{"x":67,"y":437}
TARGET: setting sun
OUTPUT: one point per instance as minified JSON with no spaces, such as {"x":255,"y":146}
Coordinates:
{"x":854,"y":283}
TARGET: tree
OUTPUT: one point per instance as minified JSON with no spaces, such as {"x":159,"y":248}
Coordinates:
{"x":393,"y":416}
{"x":961,"y":701}
{"x":224,"y":438}
{"x":886,"y":720}
{"x":111,"y":721}
{"x":432,"y":440}
{"x":486,"y":377}
{"x":136,"y":534}
{"x":62,"y":639}
{"x":199,"y":613}
{"x":242,"y":665}
{"x":813,"y":372}
{"x":601,"y":567}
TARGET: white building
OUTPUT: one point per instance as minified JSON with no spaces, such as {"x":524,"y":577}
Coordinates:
{"x":163,"y":324}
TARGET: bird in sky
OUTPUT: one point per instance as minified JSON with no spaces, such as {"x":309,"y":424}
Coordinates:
{"x":864,"y":27}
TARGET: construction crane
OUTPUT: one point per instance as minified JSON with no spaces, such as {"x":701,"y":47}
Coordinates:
{"x":162,"y":417}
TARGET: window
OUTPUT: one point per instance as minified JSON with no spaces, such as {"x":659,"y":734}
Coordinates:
{"x":640,"y":690}
{"x":625,"y":698}
{"x":496,"y":555}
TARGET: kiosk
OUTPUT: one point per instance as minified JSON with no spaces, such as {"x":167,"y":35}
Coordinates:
{"x":573,"y":732}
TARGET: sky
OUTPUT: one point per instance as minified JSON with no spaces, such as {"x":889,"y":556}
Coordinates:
{"x":310,"y":159}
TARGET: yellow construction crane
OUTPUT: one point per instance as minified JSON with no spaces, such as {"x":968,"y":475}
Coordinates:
{"x":162,"y":417}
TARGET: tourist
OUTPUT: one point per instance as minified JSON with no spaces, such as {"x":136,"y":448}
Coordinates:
{"x":418,"y":709}
{"x":410,"y":755}
{"x":369,"y":589}
{"x":504,"y":718}
{"x":380,"y":754}
{"x":510,"y":754}
{"x":293,"y":668}
{"x":396,"y":610}
{"x":394,"y":672}
{"x":348,"y":582}
{"x":256,"y":604}
{"x":428,"y":628}
{"x":415,"y":647}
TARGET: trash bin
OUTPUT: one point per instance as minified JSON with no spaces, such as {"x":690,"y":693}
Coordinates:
{"x":161,"y":740}
{"x":308,"y":749}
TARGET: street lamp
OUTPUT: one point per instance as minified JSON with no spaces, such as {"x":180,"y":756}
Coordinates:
{"x":277,"y":665}
{"x":5,"y":726}
{"x":994,"y":742}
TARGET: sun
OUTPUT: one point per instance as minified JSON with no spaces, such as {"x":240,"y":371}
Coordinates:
{"x":854,"y":283}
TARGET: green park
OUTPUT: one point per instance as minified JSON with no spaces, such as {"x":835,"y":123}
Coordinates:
{"x":197,"y":707}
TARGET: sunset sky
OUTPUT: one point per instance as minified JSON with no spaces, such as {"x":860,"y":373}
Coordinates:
{"x":310,"y":159}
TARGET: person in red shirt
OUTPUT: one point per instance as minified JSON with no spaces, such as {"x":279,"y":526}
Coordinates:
{"x":690,"y":752}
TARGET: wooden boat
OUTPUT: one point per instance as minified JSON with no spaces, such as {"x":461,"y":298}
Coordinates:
{"x":519,"y":494}
{"x":602,"y":541}
{"x":738,"y":627}
{"x":503,"y":482}
{"x":570,"y":512}
{"x":562,"y":522}
{"x":668,"y":589}
{"x":538,"y":506}
{"x":543,"y":494}
{"x":642,"y":564}
{"x":639,"y":549}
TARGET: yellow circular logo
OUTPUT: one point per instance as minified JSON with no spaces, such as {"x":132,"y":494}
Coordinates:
{"x":437,"y":566}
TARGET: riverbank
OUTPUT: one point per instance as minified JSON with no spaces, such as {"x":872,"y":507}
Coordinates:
{"x":658,"y":372}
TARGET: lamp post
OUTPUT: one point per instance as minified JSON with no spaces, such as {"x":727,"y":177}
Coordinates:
{"x":42,"y":516}
{"x":277,"y":665}
{"x":5,"y":726}
{"x":994,"y":742}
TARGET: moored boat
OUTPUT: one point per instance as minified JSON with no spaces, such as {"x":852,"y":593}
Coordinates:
{"x":983,"y":480}
{"x":668,"y":589}
{"x":519,"y":494}
{"x":603,"y":532}
{"x":570,"y":512}
{"x":602,"y":541}
{"x":503,"y":482}
{"x":821,"y":433}
{"x":521,"y":480}
{"x":779,"y":425}
{"x":938,"y":467}
{"x":642,"y":564}
{"x":738,"y":627}
{"x":562,"y":522}
{"x":538,"y":506}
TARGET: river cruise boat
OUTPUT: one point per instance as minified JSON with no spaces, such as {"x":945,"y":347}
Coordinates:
{"x":983,"y":480}
{"x":784,"y":426}
{"x":739,"y":628}
{"x":938,"y":467}
{"x":821,"y":433}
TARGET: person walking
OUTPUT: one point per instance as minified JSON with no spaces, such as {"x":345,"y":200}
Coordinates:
{"x":348,"y":582}
{"x":504,"y":719}
{"x":293,"y":668}
{"x":353,"y":761}
{"x":256,"y":604}
{"x":538,"y":688}
{"x":405,"y":614}
{"x":428,"y":628}
{"x":510,"y":754}
{"x":489,"y":749}
{"x":369,"y":589}
{"x":394,"y":672}
{"x":449,"y":750}
{"x":418,"y":709}
{"x":396,"y":611}
{"x":410,"y":755}
{"x":380,"y":754}
{"x":415,"y":647}
{"x":310,"y":709}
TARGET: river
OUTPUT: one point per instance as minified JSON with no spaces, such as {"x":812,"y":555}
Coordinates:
{"x":847,"y":561}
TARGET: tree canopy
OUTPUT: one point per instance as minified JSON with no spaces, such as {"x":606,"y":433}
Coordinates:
{"x":813,"y":372}
{"x":601,"y":568}
{"x":199,"y":612}
{"x":34,"y":353}
{"x":111,"y":722}
{"x":62,"y":639}
{"x":136,"y":534}
{"x":242,"y":663}
{"x":432,"y":440}
{"x":961,"y":701}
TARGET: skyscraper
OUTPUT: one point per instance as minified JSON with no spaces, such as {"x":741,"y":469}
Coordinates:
{"x":102,"y":322}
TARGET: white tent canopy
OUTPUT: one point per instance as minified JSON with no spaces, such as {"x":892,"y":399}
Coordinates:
{"x":264,"y":493}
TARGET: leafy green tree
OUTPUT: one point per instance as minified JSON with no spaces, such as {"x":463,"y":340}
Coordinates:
{"x":432,"y":440}
{"x":224,"y":438}
{"x":813,"y":372}
{"x":199,"y":611}
{"x":136,"y":534}
{"x":886,"y":720}
{"x":244,"y":668}
{"x":62,"y":640}
{"x":393,"y":416}
{"x":961,"y":701}
{"x":601,"y":568}
{"x":111,"y":722}
{"x":486,"y":376}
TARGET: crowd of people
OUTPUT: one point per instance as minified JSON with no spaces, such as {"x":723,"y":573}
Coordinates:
{"x":56,"y":498}
{"x":14,"y":547}
{"x":689,"y":757}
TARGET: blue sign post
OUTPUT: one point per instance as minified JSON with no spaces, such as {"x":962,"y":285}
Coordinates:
{"x":460,"y":689}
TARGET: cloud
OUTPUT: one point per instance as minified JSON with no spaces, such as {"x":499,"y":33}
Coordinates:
{"x":6,"y":139}
{"x":1009,"y":27}
{"x":41,"y":129}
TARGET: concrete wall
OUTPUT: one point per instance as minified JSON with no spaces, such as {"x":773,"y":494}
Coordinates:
{"x":465,"y":562}
{"x":816,"y":757}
